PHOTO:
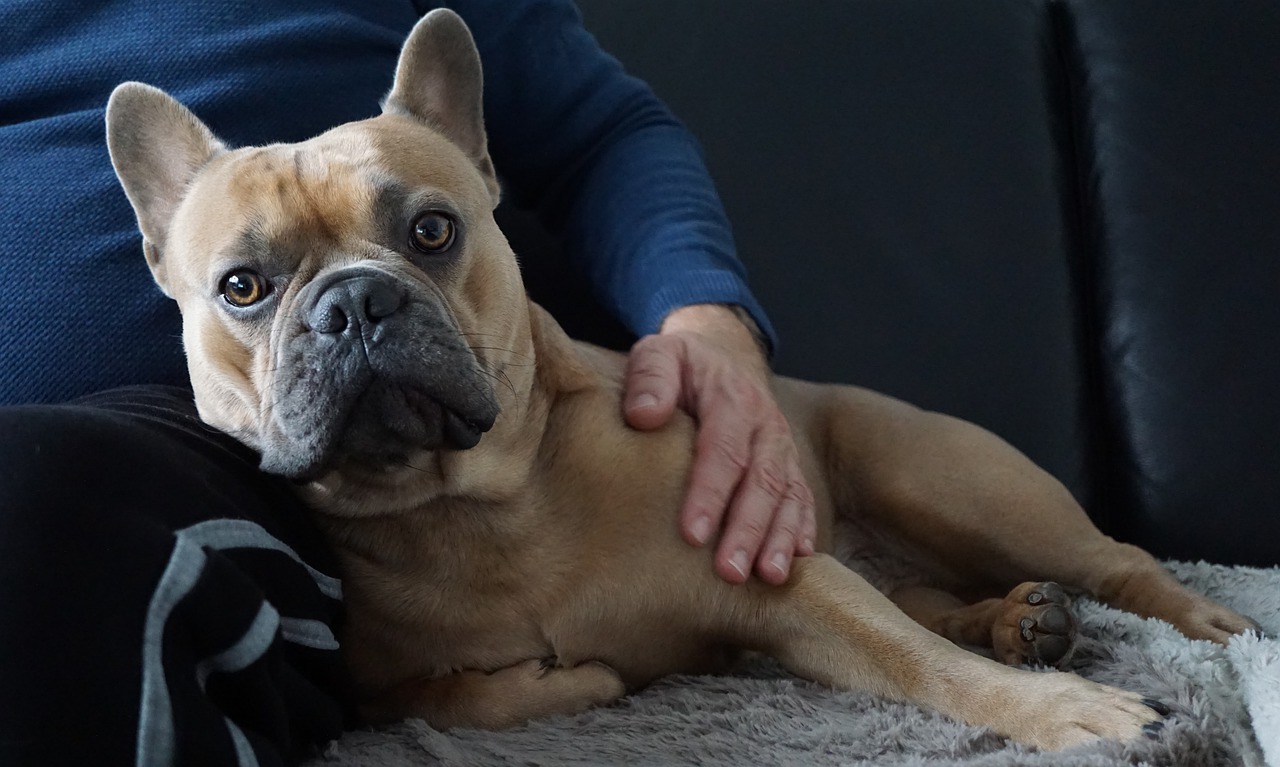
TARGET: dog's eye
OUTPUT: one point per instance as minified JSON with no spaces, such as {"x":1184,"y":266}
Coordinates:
{"x":244,"y":287}
{"x":432,"y":233}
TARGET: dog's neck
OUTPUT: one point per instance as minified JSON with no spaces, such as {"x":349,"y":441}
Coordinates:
{"x":418,"y":527}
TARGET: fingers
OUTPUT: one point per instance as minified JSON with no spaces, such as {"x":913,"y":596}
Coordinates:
{"x":747,"y":463}
{"x":746,"y":471}
{"x":653,"y":381}
{"x":721,"y":458}
{"x":771,"y":516}
{"x":786,"y":537}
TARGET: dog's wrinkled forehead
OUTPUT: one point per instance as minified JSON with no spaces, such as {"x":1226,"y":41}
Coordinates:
{"x":303,"y":191}
{"x":343,"y":190}
{"x":277,"y":198}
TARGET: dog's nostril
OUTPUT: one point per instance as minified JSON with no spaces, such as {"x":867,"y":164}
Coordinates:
{"x":328,"y":317}
{"x":354,"y":301}
{"x":383,"y":301}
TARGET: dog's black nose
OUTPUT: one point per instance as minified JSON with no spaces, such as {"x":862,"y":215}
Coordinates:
{"x":352,"y":301}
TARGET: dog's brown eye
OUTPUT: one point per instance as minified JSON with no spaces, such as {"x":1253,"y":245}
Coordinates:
{"x":432,"y":233}
{"x":244,"y":287}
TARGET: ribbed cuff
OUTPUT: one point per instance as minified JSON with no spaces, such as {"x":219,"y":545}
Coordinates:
{"x":707,"y":287}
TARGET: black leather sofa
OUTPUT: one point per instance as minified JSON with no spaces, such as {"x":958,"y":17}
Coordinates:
{"x":1058,"y":219}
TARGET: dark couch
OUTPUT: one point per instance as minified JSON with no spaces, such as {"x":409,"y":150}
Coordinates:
{"x":1060,"y":220}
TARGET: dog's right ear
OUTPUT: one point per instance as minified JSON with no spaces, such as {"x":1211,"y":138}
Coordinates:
{"x":439,"y":81}
{"x":157,"y":147}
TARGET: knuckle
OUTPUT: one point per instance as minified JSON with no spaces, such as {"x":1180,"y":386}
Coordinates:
{"x":650,"y":351}
{"x":786,"y":527}
{"x":731,"y":450}
{"x":750,"y":528}
{"x":769,"y":477}
{"x":708,"y":497}
{"x":799,"y":492}
{"x":656,"y":345}
{"x":775,"y":425}
{"x":746,"y":394}
{"x":649,"y":375}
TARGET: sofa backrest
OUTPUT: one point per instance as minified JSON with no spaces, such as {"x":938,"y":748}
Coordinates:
{"x":1177,"y":133}
{"x":1060,"y":220}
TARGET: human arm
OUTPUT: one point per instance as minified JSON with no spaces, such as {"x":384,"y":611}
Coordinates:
{"x":624,"y":185}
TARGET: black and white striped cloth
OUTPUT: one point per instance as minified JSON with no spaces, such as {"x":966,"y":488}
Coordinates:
{"x":161,"y":601}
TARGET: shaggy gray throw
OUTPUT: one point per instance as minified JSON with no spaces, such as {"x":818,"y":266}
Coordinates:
{"x":1226,"y":701}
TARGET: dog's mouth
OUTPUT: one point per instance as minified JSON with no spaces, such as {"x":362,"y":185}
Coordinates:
{"x":389,"y":421}
{"x":377,"y":387}
{"x":463,"y":432}
{"x":384,"y":426}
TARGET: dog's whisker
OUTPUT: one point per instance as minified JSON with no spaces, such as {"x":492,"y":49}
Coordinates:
{"x":504,"y":351}
{"x":502,"y":378}
{"x":419,"y":469}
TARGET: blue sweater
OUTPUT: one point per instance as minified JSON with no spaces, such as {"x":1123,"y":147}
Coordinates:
{"x":571,"y":134}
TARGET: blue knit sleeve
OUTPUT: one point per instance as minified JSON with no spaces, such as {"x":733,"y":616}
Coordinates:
{"x":605,"y":163}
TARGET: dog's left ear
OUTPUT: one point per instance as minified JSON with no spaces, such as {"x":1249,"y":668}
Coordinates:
{"x":439,"y":81}
{"x":157,"y":147}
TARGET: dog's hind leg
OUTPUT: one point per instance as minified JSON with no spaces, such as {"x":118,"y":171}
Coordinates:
{"x":831,"y":626}
{"x":1133,"y":580}
{"x":1033,"y":624}
{"x":989,"y":518}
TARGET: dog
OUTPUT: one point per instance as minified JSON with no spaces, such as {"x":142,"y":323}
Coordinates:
{"x":510,"y":550}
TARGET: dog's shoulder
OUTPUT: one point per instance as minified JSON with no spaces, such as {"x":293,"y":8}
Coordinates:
{"x":567,"y":366}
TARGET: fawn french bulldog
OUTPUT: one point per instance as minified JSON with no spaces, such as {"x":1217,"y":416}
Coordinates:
{"x":509,"y":547}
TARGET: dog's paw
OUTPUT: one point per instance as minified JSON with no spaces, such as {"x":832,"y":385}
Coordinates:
{"x":1069,"y":710}
{"x":1037,"y":626}
{"x":1206,"y":619}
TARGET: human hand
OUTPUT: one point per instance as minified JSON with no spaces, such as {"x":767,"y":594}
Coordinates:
{"x":746,"y":466}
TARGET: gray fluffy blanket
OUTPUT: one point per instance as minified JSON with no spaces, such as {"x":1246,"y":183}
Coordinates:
{"x":1226,"y":700}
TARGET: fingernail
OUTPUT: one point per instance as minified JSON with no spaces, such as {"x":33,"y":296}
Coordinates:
{"x":739,"y":562}
{"x":644,"y":401}
{"x":779,"y":562}
{"x":701,"y":529}
{"x":807,"y":546}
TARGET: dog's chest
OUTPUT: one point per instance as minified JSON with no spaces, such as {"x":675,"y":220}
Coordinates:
{"x":450,"y":607}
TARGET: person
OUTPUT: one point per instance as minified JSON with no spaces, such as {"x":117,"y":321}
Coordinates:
{"x":165,"y":602}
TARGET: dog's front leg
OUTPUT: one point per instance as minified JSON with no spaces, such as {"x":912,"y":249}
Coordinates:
{"x":498,"y":699}
{"x":831,"y":626}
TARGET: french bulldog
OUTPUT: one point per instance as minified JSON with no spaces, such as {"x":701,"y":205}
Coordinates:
{"x":509,"y":548}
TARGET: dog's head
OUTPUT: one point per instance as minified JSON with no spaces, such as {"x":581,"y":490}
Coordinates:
{"x":344,"y":299}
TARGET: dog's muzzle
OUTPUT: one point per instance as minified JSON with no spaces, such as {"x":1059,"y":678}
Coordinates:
{"x":372,"y":368}
{"x":349,"y":305}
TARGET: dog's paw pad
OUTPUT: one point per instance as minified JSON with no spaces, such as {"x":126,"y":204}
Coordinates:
{"x":1036,"y":627}
{"x":1038,"y":593}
